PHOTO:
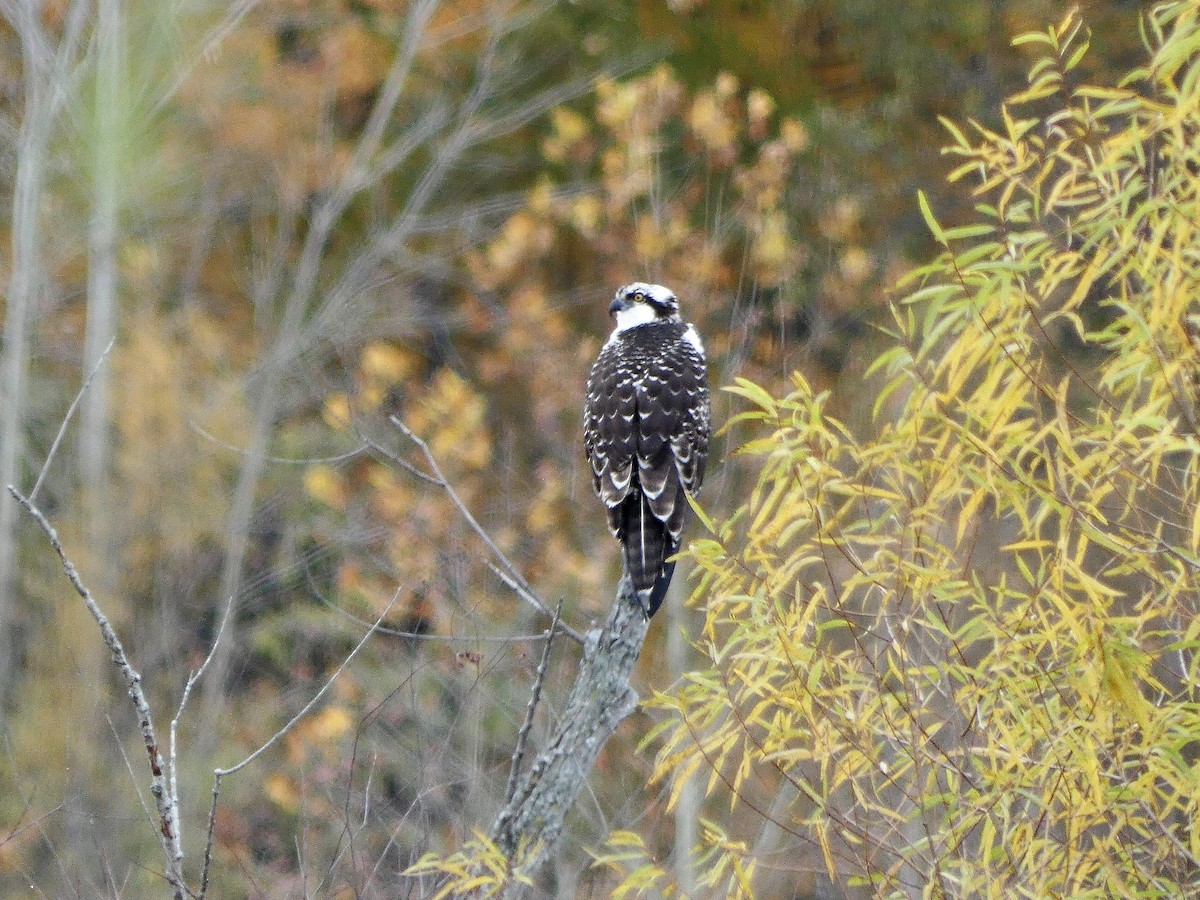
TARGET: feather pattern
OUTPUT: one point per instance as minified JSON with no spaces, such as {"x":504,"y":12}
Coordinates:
{"x":647,"y":421}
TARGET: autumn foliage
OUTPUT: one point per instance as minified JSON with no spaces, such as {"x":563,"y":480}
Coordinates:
{"x":941,"y":635}
{"x":956,"y":657}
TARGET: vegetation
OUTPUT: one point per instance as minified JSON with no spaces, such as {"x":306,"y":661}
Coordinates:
{"x":960,"y":653}
{"x":943,"y":628}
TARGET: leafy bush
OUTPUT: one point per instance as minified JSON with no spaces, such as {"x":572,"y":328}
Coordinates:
{"x":960,"y":658}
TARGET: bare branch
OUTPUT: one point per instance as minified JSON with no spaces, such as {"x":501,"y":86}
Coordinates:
{"x":389,"y":95}
{"x":208,"y":840}
{"x":298,"y":300}
{"x":331,"y":208}
{"x":522,"y":591}
{"x":66,"y":420}
{"x":187,"y":692}
{"x":534,"y":697}
{"x":395,"y":155}
{"x":283,"y":460}
{"x":19,"y":829}
{"x":403,"y":463}
{"x":219,"y":773}
{"x":112,"y":727}
{"x":434,"y":638}
{"x":517,"y":579}
{"x":215,"y":37}
{"x":164,"y":799}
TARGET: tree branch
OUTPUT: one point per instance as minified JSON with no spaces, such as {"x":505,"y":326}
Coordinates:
{"x":529,"y":826}
{"x":534,"y":696}
{"x":164,"y":797}
{"x":218,"y":774}
{"x":514,"y":579}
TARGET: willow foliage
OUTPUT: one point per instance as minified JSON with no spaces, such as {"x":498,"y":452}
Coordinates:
{"x":960,"y":658}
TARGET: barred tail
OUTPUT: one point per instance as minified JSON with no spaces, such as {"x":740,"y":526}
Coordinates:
{"x":648,"y":544}
{"x":659,"y":591}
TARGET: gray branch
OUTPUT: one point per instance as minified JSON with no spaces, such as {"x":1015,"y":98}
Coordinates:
{"x":164,"y":798}
{"x":529,"y":826}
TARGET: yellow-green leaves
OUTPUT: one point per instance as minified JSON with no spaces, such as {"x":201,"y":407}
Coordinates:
{"x":961,"y":656}
{"x":934,"y":228}
{"x":480,"y":869}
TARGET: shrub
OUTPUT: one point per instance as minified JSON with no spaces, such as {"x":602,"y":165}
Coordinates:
{"x":959,"y":657}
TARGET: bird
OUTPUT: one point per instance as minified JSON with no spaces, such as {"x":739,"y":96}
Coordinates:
{"x":646,"y":425}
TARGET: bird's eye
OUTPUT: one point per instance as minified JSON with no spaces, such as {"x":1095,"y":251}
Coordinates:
{"x":639,"y":295}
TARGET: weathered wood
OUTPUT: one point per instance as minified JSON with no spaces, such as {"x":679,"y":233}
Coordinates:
{"x":529,"y":826}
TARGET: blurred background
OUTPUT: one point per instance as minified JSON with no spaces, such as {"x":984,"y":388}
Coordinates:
{"x":262,"y":229}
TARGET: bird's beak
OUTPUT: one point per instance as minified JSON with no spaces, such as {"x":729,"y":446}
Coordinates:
{"x":618,"y":304}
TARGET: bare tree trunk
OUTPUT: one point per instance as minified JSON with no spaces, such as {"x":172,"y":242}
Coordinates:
{"x":308,"y":309}
{"x":237,"y":536}
{"x":102,"y":284}
{"x":529,"y":826}
{"x":24,"y":287}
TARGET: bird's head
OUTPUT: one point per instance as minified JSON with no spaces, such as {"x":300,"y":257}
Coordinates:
{"x":639,"y":303}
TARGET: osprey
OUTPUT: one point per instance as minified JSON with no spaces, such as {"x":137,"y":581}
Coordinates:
{"x":646,"y":424}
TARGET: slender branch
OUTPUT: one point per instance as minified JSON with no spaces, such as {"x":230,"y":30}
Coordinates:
{"x":112,"y":727}
{"x":305,"y":269}
{"x":215,"y":37}
{"x":19,"y":829}
{"x":517,"y":582}
{"x":62,"y":429}
{"x":434,"y":638}
{"x":521,"y":590}
{"x":164,"y":798}
{"x":403,"y":463}
{"x":531,"y":709}
{"x":208,"y":840}
{"x":218,"y":774}
{"x":398,"y":153}
{"x":329,"y":211}
{"x":316,"y":698}
{"x":187,"y":692}
{"x":282,"y":460}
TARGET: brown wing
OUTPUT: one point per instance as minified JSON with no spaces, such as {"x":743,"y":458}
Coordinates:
{"x":609,"y":435}
{"x":673,"y":431}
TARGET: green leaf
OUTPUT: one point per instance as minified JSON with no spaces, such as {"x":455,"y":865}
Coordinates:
{"x":752,"y":392}
{"x":1033,"y":37}
{"x":930,"y":221}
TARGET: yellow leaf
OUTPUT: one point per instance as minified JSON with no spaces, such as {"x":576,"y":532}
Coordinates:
{"x":281,"y":790}
{"x":336,"y":410}
{"x":332,"y":722}
{"x":387,"y":363}
{"x":324,"y":484}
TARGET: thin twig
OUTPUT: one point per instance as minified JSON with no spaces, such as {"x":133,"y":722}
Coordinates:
{"x":402,"y":463}
{"x":129,"y":768}
{"x":187,"y":692}
{"x":208,"y":840}
{"x":33,"y":823}
{"x":525,"y":591}
{"x":208,"y":48}
{"x":218,"y":774}
{"x":315,"y":699}
{"x":283,"y":460}
{"x":164,"y":799}
{"x":523,"y":733}
{"x":62,"y":429}
{"x":436,"y":638}
{"x":518,"y":588}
